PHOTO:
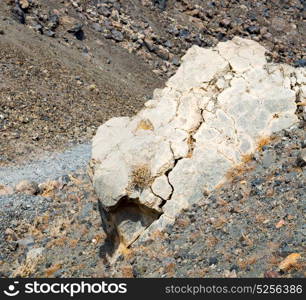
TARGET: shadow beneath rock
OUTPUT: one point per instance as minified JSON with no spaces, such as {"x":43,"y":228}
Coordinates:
{"x":111,"y":242}
{"x":124,"y":224}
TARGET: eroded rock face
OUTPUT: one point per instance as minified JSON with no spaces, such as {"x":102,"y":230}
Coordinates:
{"x":211,"y":114}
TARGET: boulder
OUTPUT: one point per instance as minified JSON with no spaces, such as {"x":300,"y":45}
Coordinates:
{"x":212,"y":113}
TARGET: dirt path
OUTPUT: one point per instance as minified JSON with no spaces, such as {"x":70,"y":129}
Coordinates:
{"x":49,"y":168}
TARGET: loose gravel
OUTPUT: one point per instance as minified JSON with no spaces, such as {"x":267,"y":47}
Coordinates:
{"x":52,"y":167}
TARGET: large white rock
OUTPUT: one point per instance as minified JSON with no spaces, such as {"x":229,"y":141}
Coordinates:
{"x":211,"y":113}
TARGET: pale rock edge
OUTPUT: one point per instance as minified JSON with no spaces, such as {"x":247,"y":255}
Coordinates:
{"x":211,"y":114}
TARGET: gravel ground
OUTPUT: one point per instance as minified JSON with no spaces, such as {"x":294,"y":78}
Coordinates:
{"x":63,"y":222}
{"x":52,"y":167}
{"x":15,"y":209}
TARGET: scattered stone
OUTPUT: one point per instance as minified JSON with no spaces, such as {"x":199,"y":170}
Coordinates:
{"x":77,"y":31}
{"x":97,"y":27}
{"x":24,"y":4}
{"x":18,"y":14}
{"x":168,"y":44}
{"x":271,"y":274}
{"x":253,"y":29}
{"x":26,"y":242}
{"x":149,"y":44}
{"x":162,"y":4}
{"x":184,"y":33}
{"x":49,"y":33}
{"x":92,"y":87}
{"x":278,"y":24}
{"x":53,"y":22}
{"x":161,"y":52}
{"x":301,"y":160}
{"x":38,"y":28}
{"x":176,"y":61}
{"x":117,"y":35}
{"x":268,"y":158}
{"x":230,"y":274}
{"x":104,"y":11}
{"x":301,"y":63}
{"x":212,"y":261}
{"x":225,"y":22}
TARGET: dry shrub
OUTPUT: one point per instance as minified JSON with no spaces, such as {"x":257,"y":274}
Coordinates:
{"x":59,"y":226}
{"x":169,"y":269}
{"x":61,"y":241}
{"x":49,"y":188}
{"x":141,"y":177}
{"x":247,"y":158}
{"x":244,"y":166}
{"x":145,"y":125}
{"x":220,"y":222}
{"x":183,"y":222}
{"x":50,"y":271}
{"x":212,"y":241}
{"x":191,"y":145}
{"x":244,"y":263}
{"x":125,"y":251}
{"x":199,"y":273}
{"x":99,"y":237}
{"x":238,"y":171}
{"x":157,"y":235}
{"x":263,"y":142}
{"x":28,"y":267}
{"x":127,"y":272}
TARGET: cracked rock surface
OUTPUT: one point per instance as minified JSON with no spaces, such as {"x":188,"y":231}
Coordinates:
{"x":210,"y":116}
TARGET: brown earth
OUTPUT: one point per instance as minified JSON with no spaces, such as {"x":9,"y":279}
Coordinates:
{"x":52,"y":94}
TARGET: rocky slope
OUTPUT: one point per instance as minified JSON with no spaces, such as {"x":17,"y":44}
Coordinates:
{"x":54,"y":93}
{"x":68,"y":66}
{"x":246,"y":228}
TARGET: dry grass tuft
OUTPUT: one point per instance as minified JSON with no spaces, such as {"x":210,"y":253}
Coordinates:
{"x":50,"y":271}
{"x":263,"y":142}
{"x":238,"y":171}
{"x":141,"y":177}
{"x":127,"y":272}
{"x":247,"y":158}
{"x":191,"y":145}
{"x":29,"y":267}
{"x":145,"y":125}
{"x":245,"y":166}
{"x":244,"y":263}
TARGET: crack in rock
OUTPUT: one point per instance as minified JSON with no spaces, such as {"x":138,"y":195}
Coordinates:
{"x":210,"y":115}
